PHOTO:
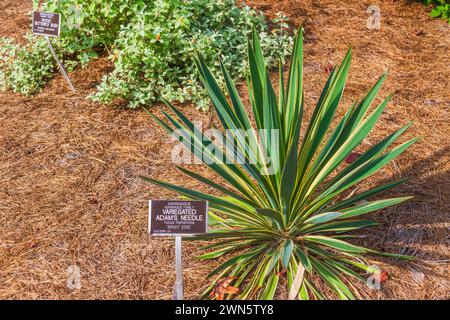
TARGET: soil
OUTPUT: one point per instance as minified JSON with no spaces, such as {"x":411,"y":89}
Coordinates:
{"x":70,"y":195}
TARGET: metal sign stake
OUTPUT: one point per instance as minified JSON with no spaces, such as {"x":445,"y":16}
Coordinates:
{"x":178,"y":218}
{"x":60,"y":65}
{"x":178,"y":288}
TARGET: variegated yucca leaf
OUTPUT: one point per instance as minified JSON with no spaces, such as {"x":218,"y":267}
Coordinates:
{"x":295,"y":221}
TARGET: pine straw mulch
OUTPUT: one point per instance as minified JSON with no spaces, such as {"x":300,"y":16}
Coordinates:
{"x":68,"y":172}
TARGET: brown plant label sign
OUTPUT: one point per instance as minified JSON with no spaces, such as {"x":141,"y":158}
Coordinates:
{"x":46,"y":24}
{"x":178,"y":217}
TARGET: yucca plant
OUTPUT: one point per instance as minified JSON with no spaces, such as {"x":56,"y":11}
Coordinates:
{"x":294,"y":222}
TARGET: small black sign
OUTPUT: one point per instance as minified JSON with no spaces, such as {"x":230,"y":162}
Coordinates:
{"x":46,"y":24}
{"x":178,"y":217}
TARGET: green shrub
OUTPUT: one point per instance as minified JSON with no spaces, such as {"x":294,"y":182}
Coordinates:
{"x":298,"y":220}
{"x":21,"y":66}
{"x":150,"y":43}
{"x":441,"y":8}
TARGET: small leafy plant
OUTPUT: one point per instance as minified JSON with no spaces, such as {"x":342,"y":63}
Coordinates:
{"x":153,"y":53}
{"x":20,"y":66}
{"x":441,"y":8}
{"x":297,"y":221}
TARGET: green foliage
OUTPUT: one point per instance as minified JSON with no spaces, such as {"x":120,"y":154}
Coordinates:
{"x":153,"y":53}
{"x":441,"y":8}
{"x":21,"y":67}
{"x":151,"y":44}
{"x":297,"y":219}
